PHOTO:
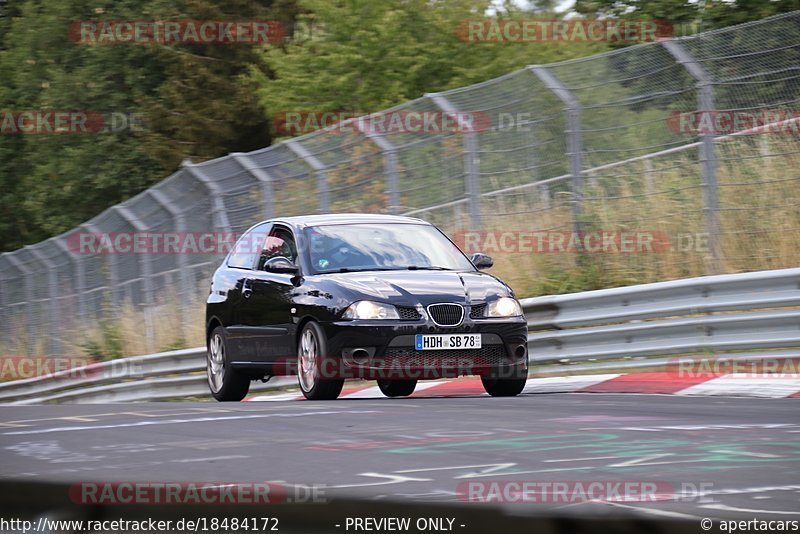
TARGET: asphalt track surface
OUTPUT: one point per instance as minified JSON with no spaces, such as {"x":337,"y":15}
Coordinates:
{"x":734,"y":458}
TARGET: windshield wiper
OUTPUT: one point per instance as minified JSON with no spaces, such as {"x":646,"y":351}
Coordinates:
{"x":427,"y":268}
{"x":367,"y":269}
{"x":409,"y":268}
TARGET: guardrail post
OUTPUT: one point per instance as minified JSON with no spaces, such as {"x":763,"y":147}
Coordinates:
{"x":574,"y":139}
{"x":215,"y":193}
{"x":389,"y":164}
{"x":705,"y":103}
{"x":183,"y":269}
{"x":51,"y":332}
{"x":319,"y":168}
{"x":471,"y":158}
{"x":263,"y":178}
{"x":26,"y":274}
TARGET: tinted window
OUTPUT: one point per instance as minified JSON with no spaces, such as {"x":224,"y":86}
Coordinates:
{"x":248,"y":247}
{"x":364,"y":247}
{"x":279,"y":244}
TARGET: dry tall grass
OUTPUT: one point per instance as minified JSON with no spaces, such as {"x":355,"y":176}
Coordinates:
{"x":759,"y":214}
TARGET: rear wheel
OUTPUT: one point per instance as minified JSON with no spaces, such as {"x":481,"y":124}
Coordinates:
{"x":503,"y":387}
{"x":397,"y":388}
{"x":312,"y":348}
{"x":225,"y":383}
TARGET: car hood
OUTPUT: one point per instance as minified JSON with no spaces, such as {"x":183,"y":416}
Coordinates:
{"x":425,"y":287}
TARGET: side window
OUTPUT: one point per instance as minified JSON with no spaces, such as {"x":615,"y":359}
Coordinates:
{"x":279,"y":244}
{"x":248,"y":247}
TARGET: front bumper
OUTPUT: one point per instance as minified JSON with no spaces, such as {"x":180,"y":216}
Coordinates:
{"x":385,"y":349}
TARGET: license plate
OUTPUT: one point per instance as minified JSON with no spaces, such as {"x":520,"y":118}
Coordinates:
{"x":447,"y":341}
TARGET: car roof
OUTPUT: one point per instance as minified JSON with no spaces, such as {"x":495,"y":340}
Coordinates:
{"x":346,"y":218}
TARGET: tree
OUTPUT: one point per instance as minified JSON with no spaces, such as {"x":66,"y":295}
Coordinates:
{"x":688,"y":17}
{"x":196,"y":104}
{"x":366,"y":56}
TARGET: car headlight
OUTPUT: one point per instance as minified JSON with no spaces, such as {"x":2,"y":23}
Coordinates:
{"x":504,"y":307}
{"x":365,"y":309}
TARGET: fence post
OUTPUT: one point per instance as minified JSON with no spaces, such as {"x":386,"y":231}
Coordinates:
{"x":544,"y":193}
{"x":183,"y":269}
{"x":80,"y":277}
{"x":52,"y":331}
{"x":574,"y":139}
{"x":5,"y":322}
{"x":319,"y":168}
{"x":389,"y":164}
{"x":648,"y":176}
{"x":263,"y":178}
{"x":145,"y":268}
{"x":215,"y":193}
{"x":471,"y":158}
{"x":705,"y":103}
{"x":113,"y":275}
{"x":26,"y":274}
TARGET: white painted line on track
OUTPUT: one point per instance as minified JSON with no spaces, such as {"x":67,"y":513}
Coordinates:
{"x":651,"y":511}
{"x":720,"y":506}
{"x":374,"y":392}
{"x":564,"y":384}
{"x":179,"y":421}
{"x":746,"y":385}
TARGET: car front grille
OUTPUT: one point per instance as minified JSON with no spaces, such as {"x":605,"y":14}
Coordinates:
{"x":446,"y":314}
{"x":409,"y":358}
{"x":476,"y":312}
{"x":407,"y":313}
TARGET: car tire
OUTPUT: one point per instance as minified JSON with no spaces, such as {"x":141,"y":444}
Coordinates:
{"x":225,"y":382}
{"x":312,"y":348}
{"x":504,"y":387}
{"x":397,"y":388}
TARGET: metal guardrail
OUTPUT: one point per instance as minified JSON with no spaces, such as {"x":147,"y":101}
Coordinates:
{"x":710,"y":314}
{"x":167,"y":375}
{"x":620,"y":328}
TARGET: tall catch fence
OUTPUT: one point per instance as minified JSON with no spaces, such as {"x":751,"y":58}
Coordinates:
{"x":605,"y":144}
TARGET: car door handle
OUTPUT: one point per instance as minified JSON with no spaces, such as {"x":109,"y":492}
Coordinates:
{"x":246,"y":290}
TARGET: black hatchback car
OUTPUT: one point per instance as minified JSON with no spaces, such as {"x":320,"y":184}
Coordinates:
{"x":378,"y":297}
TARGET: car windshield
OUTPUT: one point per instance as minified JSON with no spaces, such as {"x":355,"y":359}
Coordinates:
{"x":377,"y":247}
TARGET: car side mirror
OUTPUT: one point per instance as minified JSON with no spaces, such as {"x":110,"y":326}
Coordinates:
{"x":281,"y":264}
{"x":481,"y":261}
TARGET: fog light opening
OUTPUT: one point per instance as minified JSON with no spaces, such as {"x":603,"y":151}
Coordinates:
{"x":519,"y":353}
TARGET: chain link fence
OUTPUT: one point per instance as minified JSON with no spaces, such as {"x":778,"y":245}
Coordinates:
{"x":599,"y":144}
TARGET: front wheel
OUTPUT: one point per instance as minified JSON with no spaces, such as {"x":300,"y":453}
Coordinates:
{"x":225,"y":383}
{"x":397,"y":388}
{"x":312,"y":347}
{"x":504,"y":387}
